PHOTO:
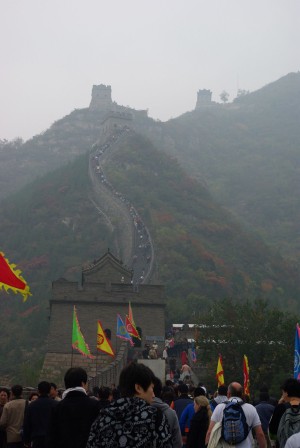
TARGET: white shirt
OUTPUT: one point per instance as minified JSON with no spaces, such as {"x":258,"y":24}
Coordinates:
{"x":251,"y":415}
{"x":293,"y":441}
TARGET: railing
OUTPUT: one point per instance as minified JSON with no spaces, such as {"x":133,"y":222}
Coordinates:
{"x":111,"y":373}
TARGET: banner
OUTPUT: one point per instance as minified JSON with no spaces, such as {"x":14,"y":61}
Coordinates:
{"x":103,"y":343}
{"x":12,"y":279}
{"x":122,"y":333}
{"x":78,"y":341}
{"x":297,"y":354}
{"x":246,"y":376}
{"x":131,"y":329}
{"x":220,"y":372}
{"x":132,"y":325}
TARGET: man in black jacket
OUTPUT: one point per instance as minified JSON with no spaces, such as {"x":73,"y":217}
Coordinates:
{"x":72,"y":417}
{"x":36,"y":419}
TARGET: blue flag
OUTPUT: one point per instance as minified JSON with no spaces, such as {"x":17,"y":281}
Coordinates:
{"x":121,"y":330}
{"x":297,"y":354}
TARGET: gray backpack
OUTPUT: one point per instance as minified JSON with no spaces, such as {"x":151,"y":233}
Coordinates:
{"x":289,"y":424}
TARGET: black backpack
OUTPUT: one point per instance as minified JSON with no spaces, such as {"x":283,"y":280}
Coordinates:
{"x":234,"y":425}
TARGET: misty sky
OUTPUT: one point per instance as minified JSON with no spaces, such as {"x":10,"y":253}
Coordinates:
{"x":155,"y":54}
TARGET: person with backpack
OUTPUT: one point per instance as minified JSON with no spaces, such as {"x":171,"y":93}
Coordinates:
{"x":233,"y":422}
{"x":290,"y":421}
{"x":221,"y":397}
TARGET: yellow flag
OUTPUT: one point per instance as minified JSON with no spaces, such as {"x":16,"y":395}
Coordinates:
{"x":103,"y":343}
{"x":220,"y":372}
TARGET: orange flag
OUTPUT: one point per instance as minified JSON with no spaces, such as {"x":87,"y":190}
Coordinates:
{"x":131,"y":321}
{"x":130,"y":315}
{"x":220,"y":372}
{"x":246,"y":376}
{"x":103,"y":343}
{"x":12,"y":279}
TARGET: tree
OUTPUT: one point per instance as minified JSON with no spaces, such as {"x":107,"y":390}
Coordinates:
{"x":224,"y":96}
{"x":242,"y":92}
{"x":264,"y":333}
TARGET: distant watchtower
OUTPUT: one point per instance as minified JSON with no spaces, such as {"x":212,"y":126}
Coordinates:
{"x":101,"y":98}
{"x":203,"y":98}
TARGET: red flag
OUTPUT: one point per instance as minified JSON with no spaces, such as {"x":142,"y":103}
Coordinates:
{"x":12,"y":279}
{"x":246,"y":376}
{"x":131,"y":328}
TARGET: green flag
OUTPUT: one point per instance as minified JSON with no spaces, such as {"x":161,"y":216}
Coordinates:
{"x":78,"y":341}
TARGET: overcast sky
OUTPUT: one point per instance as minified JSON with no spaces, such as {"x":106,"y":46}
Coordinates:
{"x":156,"y":54}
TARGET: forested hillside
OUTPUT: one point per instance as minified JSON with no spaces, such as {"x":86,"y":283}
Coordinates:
{"x":248,"y":154}
{"x":244,"y":156}
{"x":51,"y":229}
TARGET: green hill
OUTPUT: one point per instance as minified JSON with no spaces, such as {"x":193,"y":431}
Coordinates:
{"x":51,"y":229}
{"x":244,"y":156}
{"x":248,"y":154}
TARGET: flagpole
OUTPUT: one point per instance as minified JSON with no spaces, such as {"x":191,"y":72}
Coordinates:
{"x":72,"y":357}
{"x":96,"y":361}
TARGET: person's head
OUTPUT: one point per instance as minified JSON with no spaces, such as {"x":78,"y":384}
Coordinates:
{"x":16,"y":391}
{"x":53,"y":390}
{"x":202,"y":402}
{"x":222,"y":390}
{"x":291,"y":387}
{"x":4,"y":395}
{"x":75,"y":377}
{"x":168,"y":394}
{"x":96,"y":391}
{"x":44,"y":388}
{"x":136,"y":380}
{"x":264,"y":396}
{"x":157,"y":388}
{"x":33,"y":396}
{"x":235,"y":390}
{"x":183,"y":389}
{"x":105,"y":393}
{"x":199,"y":391}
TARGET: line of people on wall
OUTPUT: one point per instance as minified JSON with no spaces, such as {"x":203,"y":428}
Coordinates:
{"x":143,"y":250}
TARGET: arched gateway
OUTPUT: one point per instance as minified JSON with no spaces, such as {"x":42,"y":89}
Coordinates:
{"x":105,"y":292}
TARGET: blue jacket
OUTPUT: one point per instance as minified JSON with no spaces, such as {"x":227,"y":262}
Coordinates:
{"x":186,"y":417}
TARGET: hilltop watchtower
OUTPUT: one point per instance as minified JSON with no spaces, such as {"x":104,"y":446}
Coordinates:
{"x":104,"y":292}
{"x":101,"y":98}
{"x":203,"y":98}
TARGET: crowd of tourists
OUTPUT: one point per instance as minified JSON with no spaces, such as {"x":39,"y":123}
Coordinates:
{"x":143,"y":412}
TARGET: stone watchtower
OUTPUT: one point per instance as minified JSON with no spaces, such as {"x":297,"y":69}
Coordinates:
{"x":105,"y":292}
{"x":203,"y":98}
{"x":101,"y":98}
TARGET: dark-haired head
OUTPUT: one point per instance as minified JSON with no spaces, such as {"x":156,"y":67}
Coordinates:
{"x":104,"y":393}
{"x":222,"y":390}
{"x":132,"y":375}
{"x":17,"y":390}
{"x":44,"y":388}
{"x":292,"y":387}
{"x":75,"y":377}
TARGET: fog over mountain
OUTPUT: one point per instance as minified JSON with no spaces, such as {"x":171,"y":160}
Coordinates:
{"x":156,"y":55}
